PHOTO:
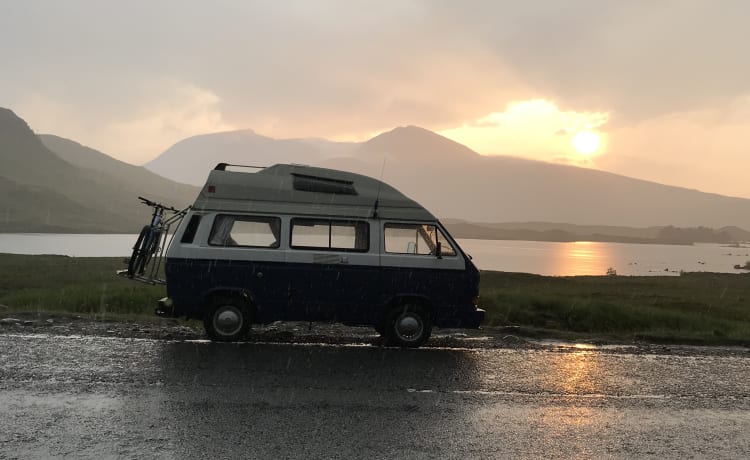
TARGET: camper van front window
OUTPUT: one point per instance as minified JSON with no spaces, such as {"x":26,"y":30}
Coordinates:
{"x":246,"y":231}
{"x":420,"y":239}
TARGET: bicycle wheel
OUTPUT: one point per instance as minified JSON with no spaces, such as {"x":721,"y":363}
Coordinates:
{"x":135,"y":264}
{"x":151,"y":246}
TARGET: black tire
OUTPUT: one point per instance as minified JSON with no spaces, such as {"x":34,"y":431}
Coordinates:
{"x":227,"y":320}
{"x":145,"y":247}
{"x":135,"y":264}
{"x":151,"y":245}
{"x":408,"y":325}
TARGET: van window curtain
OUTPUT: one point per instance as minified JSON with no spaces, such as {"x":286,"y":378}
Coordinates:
{"x":220,"y":233}
{"x":275,"y":225}
{"x":361,"y":236}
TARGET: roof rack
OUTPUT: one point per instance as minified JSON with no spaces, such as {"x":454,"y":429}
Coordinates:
{"x":223,"y":166}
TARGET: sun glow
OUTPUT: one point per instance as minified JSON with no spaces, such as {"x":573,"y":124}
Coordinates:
{"x":586,"y":142}
{"x":536,"y":129}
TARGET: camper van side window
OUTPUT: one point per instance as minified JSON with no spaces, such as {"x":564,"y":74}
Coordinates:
{"x":419,"y":239}
{"x":246,"y":231}
{"x":190,"y":230}
{"x":330,"y":235}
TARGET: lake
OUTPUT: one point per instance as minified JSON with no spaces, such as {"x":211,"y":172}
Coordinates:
{"x":544,"y":258}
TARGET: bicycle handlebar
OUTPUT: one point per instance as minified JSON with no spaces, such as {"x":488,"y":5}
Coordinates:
{"x":154,"y":204}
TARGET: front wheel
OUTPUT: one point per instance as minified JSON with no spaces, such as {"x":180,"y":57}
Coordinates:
{"x":227,"y":320}
{"x":408,"y":326}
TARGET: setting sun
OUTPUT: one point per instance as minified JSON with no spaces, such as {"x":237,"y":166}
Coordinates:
{"x":586,"y":142}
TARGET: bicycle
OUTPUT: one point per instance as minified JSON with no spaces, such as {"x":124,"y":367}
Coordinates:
{"x":149,"y":242}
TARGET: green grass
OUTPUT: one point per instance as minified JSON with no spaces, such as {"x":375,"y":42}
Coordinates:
{"x":692,"y":308}
{"x":73,"y":285}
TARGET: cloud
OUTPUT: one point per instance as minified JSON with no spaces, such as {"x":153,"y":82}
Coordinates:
{"x":704,"y":149}
{"x":368,"y":65}
{"x":167,"y":111}
{"x":637,"y":59}
{"x":131,"y":79}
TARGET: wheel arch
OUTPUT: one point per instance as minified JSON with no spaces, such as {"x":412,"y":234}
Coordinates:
{"x":405,"y":299}
{"x":210,"y":296}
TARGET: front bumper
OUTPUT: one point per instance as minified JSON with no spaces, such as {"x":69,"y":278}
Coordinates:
{"x":476,"y":319}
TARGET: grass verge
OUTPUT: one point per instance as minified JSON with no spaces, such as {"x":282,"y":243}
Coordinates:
{"x":709,"y":308}
{"x":703,"y":308}
{"x":80,"y":285}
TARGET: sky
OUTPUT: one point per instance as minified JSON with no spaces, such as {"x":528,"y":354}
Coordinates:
{"x":660,"y":88}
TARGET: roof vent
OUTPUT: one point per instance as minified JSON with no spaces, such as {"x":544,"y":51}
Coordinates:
{"x":317,"y":184}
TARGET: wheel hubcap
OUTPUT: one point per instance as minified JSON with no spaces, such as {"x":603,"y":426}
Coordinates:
{"x":228,"y":320}
{"x":409,"y":327}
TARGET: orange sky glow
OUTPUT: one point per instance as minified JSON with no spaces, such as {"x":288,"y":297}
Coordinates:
{"x":660,"y":86}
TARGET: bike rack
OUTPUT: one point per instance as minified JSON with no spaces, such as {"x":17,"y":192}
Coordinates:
{"x":150,"y":276}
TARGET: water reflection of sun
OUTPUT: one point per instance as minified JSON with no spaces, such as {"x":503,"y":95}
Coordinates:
{"x":575,"y":373}
{"x":581,"y":258}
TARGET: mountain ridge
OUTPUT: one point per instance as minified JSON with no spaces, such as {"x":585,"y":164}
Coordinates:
{"x":448,"y":178}
{"x":452,"y":180}
{"x":41,"y":192}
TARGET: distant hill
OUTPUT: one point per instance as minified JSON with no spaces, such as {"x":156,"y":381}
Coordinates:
{"x":90,"y":192}
{"x":123,"y":175}
{"x":561,"y":232}
{"x":51,"y":184}
{"x":190,"y":160}
{"x":453,"y":181}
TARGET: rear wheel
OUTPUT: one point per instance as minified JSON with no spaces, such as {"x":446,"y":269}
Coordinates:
{"x":227,"y":320}
{"x":408,"y":325}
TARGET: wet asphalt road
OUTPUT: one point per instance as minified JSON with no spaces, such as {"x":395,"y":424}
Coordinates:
{"x":97,"y":397}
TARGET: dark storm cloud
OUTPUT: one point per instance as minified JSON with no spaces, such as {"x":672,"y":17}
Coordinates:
{"x":331,"y":67}
{"x":638,"y":59}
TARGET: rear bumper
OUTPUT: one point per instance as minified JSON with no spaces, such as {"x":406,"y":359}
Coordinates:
{"x":165,"y":308}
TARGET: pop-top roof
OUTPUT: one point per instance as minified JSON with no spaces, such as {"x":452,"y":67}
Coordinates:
{"x":305,"y":190}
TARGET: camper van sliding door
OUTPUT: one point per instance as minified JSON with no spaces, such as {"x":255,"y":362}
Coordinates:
{"x":243,"y":254}
{"x":335,"y":269}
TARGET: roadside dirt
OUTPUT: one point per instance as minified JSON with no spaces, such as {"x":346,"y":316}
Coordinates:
{"x":288,"y":332}
{"x":325,"y":333}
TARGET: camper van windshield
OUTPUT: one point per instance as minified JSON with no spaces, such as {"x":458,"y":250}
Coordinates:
{"x":416,"y":239}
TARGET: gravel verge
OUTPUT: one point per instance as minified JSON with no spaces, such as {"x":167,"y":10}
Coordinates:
{"x":327,"y":333}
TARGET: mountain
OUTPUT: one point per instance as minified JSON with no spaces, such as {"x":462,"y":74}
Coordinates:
{"x":42,"y":192}
{"x":453,"y":181}
{"x":547,"y":231}
{"x":123,"y":175}
{"x":190,"y":160}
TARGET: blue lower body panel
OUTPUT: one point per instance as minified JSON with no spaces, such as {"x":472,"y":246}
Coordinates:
{"x":318,"y":292}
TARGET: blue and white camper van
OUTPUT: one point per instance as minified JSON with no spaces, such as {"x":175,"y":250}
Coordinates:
{"x":298,"y":243}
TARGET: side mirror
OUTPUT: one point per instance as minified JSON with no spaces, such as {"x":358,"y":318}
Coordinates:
{"x":439,"y":250}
